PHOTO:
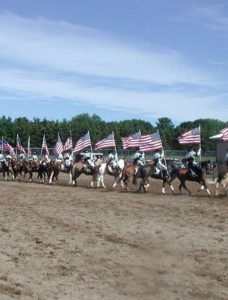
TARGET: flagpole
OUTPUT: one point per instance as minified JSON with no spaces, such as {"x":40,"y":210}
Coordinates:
{"x":42,"y":145}
{"x":72,"y":142}
{"x":28,"y":150}
{"x":2,"y":146}
{"x":116,"y":154}
{"x":91,"y":149}
{"x":163,"y":152}
{"x":17,"y":143}
{"x":200,"y":142}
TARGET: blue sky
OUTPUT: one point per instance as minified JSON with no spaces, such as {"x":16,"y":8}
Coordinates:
{"x":119,"y":59}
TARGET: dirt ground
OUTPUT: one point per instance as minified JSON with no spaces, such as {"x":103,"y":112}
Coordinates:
{"x":69,"y":243}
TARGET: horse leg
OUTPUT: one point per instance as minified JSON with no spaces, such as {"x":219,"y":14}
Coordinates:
{"x":182,"y":184}
{"x":70,"y":176}
{"x":172,"y":177}
{"x":163,"y":186}
{"x":144,"y":184}
{"x":204,"y":186}
{"x":101,"y":178}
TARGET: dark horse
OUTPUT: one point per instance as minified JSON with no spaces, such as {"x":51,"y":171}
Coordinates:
{"x":185,"y":174}
{"x":148,"y":171}
{"x":8,"y":167}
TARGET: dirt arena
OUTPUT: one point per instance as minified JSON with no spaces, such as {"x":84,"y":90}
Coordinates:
{"x":69,"y":243}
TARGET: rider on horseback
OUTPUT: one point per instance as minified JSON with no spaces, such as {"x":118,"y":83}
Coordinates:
{"x":192,"y":164}
{"x":112,"y":160}
{"x":138,"y":160}
{"x":158,"y":163}
{"x":88,"y":159}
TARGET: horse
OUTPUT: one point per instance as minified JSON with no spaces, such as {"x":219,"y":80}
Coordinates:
{"x":21,"y":167}
{"x":53,"y":169}
{"x":128,"y":172}
{"x":8,"y":167}
{"x":34,"y":166}
{"x":116,"y":171}
{"x":97,"y":172}
{"x":206,"y":165}
{"x":185,"y":174}
{"x":67,"y":167}
{"x":220,"y":176}
{"x":149,"y":171}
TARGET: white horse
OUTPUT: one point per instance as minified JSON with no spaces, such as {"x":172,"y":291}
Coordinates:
{"x":99,"y":178}
{"x":220,"y":176}
{"x":117,"y":172}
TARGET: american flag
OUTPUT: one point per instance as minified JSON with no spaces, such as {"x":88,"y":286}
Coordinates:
{"x":68,"y":144}
{"x":224,"y":134}
{"x":107,"y":142}
{"x":82,"y":143}
{"x":131,"y":141}
{"x":58,"y":146}
{"x":150,"y":142}
{"x":19,"y":146}
{"x":44,"y":145}
{"x":190,"y":137}
{"x":5,"y":147}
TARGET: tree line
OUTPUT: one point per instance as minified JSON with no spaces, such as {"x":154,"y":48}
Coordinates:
{"x":99,"y":129}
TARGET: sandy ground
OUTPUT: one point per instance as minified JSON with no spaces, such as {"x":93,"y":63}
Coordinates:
{"x":64,"y":242}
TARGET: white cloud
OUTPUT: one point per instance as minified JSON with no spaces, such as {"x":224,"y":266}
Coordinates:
{"x":44,"y":59}
{"x":64,"y":47}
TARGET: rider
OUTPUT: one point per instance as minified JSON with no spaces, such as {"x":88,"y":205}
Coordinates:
{"x":45,"y":160}
{"x":192,"y":164}
{"x":8,"y":157}
{"x":59,"y":158}
{"x":112,"y":161}
{"x":158,"y":163}
{"x":21,"y":156}
{"x":138,"y":160}
{"x":88,"y":159}
{"x":34,"y":157}
{"x":68,"y":159}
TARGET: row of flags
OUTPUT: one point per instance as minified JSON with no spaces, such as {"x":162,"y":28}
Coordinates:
{"x":145,"y":143}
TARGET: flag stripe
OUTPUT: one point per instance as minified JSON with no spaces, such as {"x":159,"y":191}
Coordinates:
{"x":151,"y":142}
{"x":82,"y":143}
{"x":58,"y":146}
{"x":131,"y":141}
{"x":190,"y":137}
{"x":224,"y":134}
{"x":68,"y":144}
{"x":107,"y":142}
{"x":45,"y":146}
{"x":6,"y":147}
{"x":19,"y":146}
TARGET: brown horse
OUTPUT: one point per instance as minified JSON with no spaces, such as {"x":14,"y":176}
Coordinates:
{"x":128,"y":173}
{"x":34,"y":166}
{"x":21,"y":168}
{"x":54,"y":169}
{"x":184,"y":174}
